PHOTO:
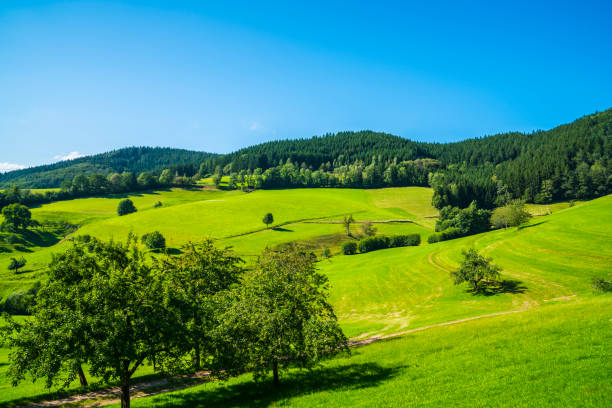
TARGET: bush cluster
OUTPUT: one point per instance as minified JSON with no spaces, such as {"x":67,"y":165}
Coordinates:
{"x":449,"y":233}
{"x":349,"y":248}
{"x":369,"y":244}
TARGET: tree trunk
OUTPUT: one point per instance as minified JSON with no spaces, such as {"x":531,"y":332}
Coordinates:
{"x":275,"y":373}
{"x":196,"y":357}
{"x":125,"y":393}
{"x":82,"y":377}
{"x":475,"y":284}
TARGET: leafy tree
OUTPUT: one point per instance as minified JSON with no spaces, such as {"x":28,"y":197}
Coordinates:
{"x":200,"y":274}
{"x":347,"y":221}
{"x":474,"y":269}
{"x":280,"y":316}
{"x":511,"y":215}
{"x":154,"y":241}
{"x":126,"y":206}
{"x":104,"y":307}
{"x":368,"y":229}
{"x":166,"y":177}
{"x":268,"y":219}
{"x":16,"y":264}
{"x":16,"y":216}
{"x":216,"y":179}
{"x":601,"y":285}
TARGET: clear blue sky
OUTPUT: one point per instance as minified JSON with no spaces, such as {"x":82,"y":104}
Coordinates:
{"x":87,"y":77}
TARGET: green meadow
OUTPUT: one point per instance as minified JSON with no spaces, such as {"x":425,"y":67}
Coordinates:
{"x":545,"y":320}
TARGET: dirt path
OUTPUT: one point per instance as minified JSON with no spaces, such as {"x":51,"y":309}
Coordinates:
{"x":112,"y":395}
{"x":402,"y":333}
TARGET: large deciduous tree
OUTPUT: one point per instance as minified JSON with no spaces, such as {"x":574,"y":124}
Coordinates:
{"x":103,"y":305}
{"x":280,"y":316}
{"x":200,"y":274}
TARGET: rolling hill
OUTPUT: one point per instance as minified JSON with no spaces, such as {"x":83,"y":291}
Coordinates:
{"x":132,"y":159}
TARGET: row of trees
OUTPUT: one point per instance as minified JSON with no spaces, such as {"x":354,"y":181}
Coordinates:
{"x":96,"y":184}
{"x":378,"y":173}
{"x":113,"y":308}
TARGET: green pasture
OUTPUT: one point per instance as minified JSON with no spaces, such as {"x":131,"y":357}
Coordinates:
{"x":399,"y":289}
{"x":547,"y":266}
{"x":547,"y":357}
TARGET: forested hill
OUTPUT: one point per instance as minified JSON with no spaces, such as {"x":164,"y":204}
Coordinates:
{"x":569,"y":161}
{"x":130,"y":159}
{"x":588,"y":134}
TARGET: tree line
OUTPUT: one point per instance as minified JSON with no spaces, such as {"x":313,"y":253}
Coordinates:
{"x":113,"y":308}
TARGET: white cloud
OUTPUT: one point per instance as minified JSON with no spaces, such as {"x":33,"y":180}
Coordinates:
{"x":69,"y":156}
{"x":255,"y":126}
{"x":4,"y":167}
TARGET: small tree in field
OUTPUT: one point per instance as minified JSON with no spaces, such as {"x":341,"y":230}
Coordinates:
{"x":16,"y":216}
{"x":368,"y":229}
{"x":268,"y":219}
{"x":347,"y":221}
{"x":126,"y":207}
{"x":154,"y":241}
{"x":16,"y":264}
{"x":474,"y":269}
{"x":511,"y":215}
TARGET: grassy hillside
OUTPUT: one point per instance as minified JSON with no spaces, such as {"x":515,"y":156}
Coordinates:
{"x":548,"y":357}
{"x":310,"y":216}
{"x":547,"y":268}
{"x":398,"y":289}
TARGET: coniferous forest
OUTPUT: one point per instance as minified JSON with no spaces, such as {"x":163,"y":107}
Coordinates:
{"x":568,"y":162}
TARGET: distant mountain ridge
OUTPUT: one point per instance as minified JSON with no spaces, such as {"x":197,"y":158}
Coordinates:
{"x":132,"y":159}
{"x":522,"y":160}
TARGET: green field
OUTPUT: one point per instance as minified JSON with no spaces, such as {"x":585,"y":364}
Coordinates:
{"x":559,"y":324}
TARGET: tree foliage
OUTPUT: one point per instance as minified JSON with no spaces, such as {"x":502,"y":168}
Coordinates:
{"x":126,"y":206}
{"x":510,"y":215}
{"x":268,"y":219}
{"x":154,"y":241}
{"x":16,"y":216}
{"x":280,"y":316}
{"x":474,"y":269}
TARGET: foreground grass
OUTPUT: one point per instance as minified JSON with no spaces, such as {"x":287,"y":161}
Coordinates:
{"x":557,"y":355}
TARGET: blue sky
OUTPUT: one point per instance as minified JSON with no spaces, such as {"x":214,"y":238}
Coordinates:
{"x":87,"y":77}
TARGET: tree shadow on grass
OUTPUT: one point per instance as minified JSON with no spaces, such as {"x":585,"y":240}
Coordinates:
{"x":173,"y":251}
{"x":281,"y":229}
{"x":295,"y":384}
{"x":494,"y":288}
{"x":531,"y":225}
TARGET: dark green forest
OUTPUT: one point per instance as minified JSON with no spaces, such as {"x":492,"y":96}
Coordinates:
{"x":129,"y":159}
{"x":572,"y":161}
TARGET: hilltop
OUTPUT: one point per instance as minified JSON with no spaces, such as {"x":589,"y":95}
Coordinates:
{"x":131,"y":159}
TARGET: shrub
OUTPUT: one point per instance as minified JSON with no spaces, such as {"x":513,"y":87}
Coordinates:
{"x":157,"y":204}
{"x":373,"y":243}
{"x":327,"y":253}
{"x":19,"y":303}
{"x":126,"y":207}
{"x":404,"y":240}
{"x":447,"y":234}
{"x":154,"y":240}
{"x":601,"y":285}
{"x":349,"y":248}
